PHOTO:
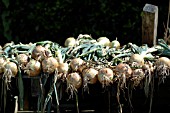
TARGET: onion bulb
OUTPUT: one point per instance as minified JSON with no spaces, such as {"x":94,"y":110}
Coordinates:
{"x":163,"y":61}
{"x":137,"y":58}
{"x":103,"y":41}
{"x":49,"y":65}
{"x":3,"y":61}
{"x":11,"y":68}
{"x":38,"y":53}
{"x":74,"y":79}
{"x":124,"y":69}
{"x":33,"y":68}
{"x":137,"y":76}
{"x":90,"y":75}
{"x":105,"y":76}
{"x":63,"y":68}
{"x":22,"y":59}
{"x":76,"y":63}
{"x":115,"y":44}
{"x":70,"y":42}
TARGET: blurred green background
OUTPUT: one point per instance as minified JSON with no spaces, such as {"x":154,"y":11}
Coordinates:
{"x":55,"y":20}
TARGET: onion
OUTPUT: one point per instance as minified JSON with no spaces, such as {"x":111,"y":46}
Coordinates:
{"x":137,"y":76}
{"x":33,"y":68}
{"x":22,"y":60}
{"x":115,"y":44}
{"x":74,"y":79}
{"x":11,"y":68}
{"x":76,"y":63}
{"x":103,"y":41}
{"x":105,"y":76}
{"x":38,"y":53}
{"x":123,"y":68}
{"x":90,"y":75}
{"x":163,"y":61}
{"x":3,"y":61}
{"x":63,"y":68}
{"x":70,"y":42}
{"x":49,"y":65}
{"x":137,"y":58}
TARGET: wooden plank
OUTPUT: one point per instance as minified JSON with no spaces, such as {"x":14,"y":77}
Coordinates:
{"x":149,"y":24}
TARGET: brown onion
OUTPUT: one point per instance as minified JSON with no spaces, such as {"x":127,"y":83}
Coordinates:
{"x":123,"y":68}
{"x":74,"y":79}
{"x":12,"y":68}
{"x":105,"y":76}
{"x":63,"y":68}
{"x":49,"y":65}
{"x":90,"y":75}
{"x":22,"y":59}
{"x":33,"y":68}
{"x":3,"y":61}
{"x":76,"y":63}
{"x":38,"y":53}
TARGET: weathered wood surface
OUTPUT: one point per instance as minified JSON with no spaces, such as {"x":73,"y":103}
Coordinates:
{"x":149,"y":24}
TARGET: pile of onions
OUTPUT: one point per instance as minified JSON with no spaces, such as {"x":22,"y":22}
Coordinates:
{"x":76,"y":63}
{"x":105,"y":76}
{"x":49,"y":64}
{"x":33,"y":68}
{"x":22,"y":60}
{"x":90,"y":75}
{"x":38,"y":53}
{"x":74,"y":79}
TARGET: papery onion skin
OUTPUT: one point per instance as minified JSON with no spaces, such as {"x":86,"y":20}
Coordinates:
{"x":13,"y":67}
{"x":22,"y":59}
{"x":91,"y":75}
{"x":49,"y":65}
{"x":76,"y":63}
{"x":138,"y":73}
{"x":105,"y":76}
{"x":74,"y":79}
{"x":33,"y":68}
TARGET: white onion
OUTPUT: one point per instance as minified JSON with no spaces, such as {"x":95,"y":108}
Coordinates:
{"x":74,"y":79}
{"x":103,"y":41}
{"x":70,"y":42}
{"x":115,"y":44}
{"x":3,"y":61}
{"x":137,"y":58}
{"x":105,"y":76}
{"x":163,"y":61}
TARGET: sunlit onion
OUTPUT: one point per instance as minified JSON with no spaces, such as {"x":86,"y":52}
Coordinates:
{"x":137,"y":58}
{"x":63,"y":68}
{"x":11,"y":68}
{"x":49,"y":65}
{"x":115,"y":44}
{"x":163,"y":61}
{"x":103,"y":41}
{"x":125,"y":69}
{"x":74,"y":79}
{"x":76,"y":63}
{"x":33,"y":68}
{"x":90,"y":75}
{"x":70,"y":42}
{"x":105,"y":76}
{"x":3,"y":61}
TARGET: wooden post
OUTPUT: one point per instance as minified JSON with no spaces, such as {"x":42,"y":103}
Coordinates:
{"x":149,"y":24}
